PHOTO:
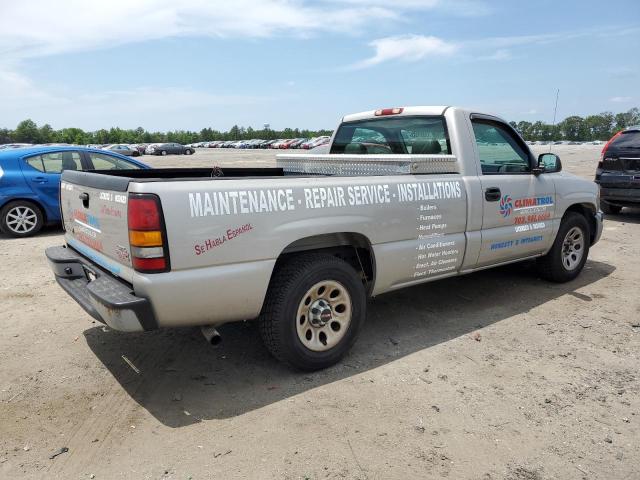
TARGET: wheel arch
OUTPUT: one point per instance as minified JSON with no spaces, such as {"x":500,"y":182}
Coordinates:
{"x":354,"y":248}
{"x":588,"y":211}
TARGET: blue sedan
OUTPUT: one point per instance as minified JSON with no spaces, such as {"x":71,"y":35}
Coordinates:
{"x":30,"y":182}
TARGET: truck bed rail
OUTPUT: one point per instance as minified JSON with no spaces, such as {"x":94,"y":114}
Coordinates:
{"x":363,"y":165}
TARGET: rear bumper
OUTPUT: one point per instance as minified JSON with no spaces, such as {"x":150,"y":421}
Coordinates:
{"x":620,"y":196}
{"x":103,"y":296}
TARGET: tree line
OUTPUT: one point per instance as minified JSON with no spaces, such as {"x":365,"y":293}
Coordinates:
{"x":593,"y":127}
{"x":28,"y":131}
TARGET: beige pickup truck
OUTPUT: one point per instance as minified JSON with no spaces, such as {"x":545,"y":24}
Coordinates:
{"x":404,"y":196}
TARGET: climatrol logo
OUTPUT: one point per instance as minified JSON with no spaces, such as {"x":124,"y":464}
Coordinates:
{"x":523,"y":205}
{"x":506,"y":206}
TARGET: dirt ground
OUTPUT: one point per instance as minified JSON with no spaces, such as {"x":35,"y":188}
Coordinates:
{"x":495,"y":375}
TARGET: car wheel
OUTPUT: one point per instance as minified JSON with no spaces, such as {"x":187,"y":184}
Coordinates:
{"x":135,"y":153}
{"x":569,"y":252}
{"x":188,"y":152}
{"x":163,"y":153}
{"x":313,"y":311}
{"x":609,"y":208}
{"x":21,"y":219}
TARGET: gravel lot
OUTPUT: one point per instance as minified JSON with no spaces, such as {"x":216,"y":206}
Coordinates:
{"x":496,"y":375}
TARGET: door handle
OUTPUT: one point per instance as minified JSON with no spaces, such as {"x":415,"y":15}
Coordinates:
{"x":39,"y":179}
{"x":492,"y":194}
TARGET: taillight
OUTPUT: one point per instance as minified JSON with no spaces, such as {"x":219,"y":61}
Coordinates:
{"x":606,"y":146}
{"x":147,"y":234}
{"x":388,"y":111}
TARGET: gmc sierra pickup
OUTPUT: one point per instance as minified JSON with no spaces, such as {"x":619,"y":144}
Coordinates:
{"x":405,"y":196}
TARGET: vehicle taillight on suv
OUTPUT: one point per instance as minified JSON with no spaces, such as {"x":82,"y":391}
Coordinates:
{"x":606,"y":145}
{"x":147,"y":234}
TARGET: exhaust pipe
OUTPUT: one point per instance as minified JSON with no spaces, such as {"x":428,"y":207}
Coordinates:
{"x":211,"y":335}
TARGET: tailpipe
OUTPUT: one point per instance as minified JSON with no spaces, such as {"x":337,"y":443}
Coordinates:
{"x":211,"y":335}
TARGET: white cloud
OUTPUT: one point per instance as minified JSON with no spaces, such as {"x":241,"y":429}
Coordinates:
{"x":417,"y":47}
{"x":620,"y":99}
{"x":498,"y":55}
{"x":408,"y":48}
{"x":43,"y":27}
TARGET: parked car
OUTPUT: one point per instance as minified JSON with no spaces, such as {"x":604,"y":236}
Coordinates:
{"x":122,"y":150}
{"x":316,"y":142}
{"x":618,"y":172}
{"x":302,"y":253}
{"x":140,"y":147}
{"x":169,"y":148}
{"x":30,"y":182}
{"x":268,"y":144}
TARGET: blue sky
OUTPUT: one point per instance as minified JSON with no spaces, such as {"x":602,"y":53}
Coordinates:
{"x":163,"y":64}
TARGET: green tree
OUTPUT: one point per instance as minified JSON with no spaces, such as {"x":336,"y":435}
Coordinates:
{"x":27,"y":132}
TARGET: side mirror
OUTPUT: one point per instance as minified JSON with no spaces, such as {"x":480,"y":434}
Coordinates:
{"x":549,"y":163}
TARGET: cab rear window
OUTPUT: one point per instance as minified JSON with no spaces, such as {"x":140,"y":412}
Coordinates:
{"x":397,"y":135}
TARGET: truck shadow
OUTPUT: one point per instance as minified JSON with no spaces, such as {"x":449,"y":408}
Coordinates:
{"x":183,"y":380}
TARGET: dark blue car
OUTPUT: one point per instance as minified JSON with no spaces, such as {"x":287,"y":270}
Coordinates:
{"x":30,"y":182}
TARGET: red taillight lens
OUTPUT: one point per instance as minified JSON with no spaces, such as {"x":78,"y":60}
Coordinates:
{"x":147,"y":235}
{"x":389,"y":111}
{"x":149,"y":265}
{"x":144,"y":213}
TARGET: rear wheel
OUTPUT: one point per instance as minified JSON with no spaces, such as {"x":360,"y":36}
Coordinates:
{"x":569,"y":252}
{"x":21,"y":219}
{"x":314,"y":309}
{"x":609,"y":208}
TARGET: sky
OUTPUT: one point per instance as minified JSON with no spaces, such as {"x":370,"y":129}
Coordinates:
{"x":190,"y":64}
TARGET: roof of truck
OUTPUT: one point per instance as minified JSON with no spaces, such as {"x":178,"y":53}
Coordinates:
{"x":417,"y":110}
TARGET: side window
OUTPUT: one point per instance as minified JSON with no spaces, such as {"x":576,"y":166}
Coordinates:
{"x":499,"y":150}
{"x":35,"y":162}
{"x":56,"y":162}
{"x":107,"y":162}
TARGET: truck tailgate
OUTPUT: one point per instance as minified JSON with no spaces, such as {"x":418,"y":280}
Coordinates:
{"x":94,"y":212}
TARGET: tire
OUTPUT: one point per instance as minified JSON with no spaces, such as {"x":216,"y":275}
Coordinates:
{"x":21,"y":218}
{"x":565,"y":260}
{"x":289,"y":329}
{"x":163,"y":153}
{"x":610,"y":209}
{"x":135,"y":154}
{"x":188,"y":152}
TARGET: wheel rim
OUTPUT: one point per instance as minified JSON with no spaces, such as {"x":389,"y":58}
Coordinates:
{"x":164,"y":153}
{"x":573,"y":248}
{"x":21,"y":219}
{"x":323,"y":315}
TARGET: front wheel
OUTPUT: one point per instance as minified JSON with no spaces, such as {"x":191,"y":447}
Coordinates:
{"x":188,"y":152}
{"x":314,"y":309}
{"x":569,"y":252}
{"x":163,"y":153}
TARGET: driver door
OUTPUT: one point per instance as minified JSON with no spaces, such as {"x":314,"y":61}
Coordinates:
{"x":518,"y":206}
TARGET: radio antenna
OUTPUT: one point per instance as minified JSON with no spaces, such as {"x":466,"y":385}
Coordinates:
{"x":555,"y":110}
